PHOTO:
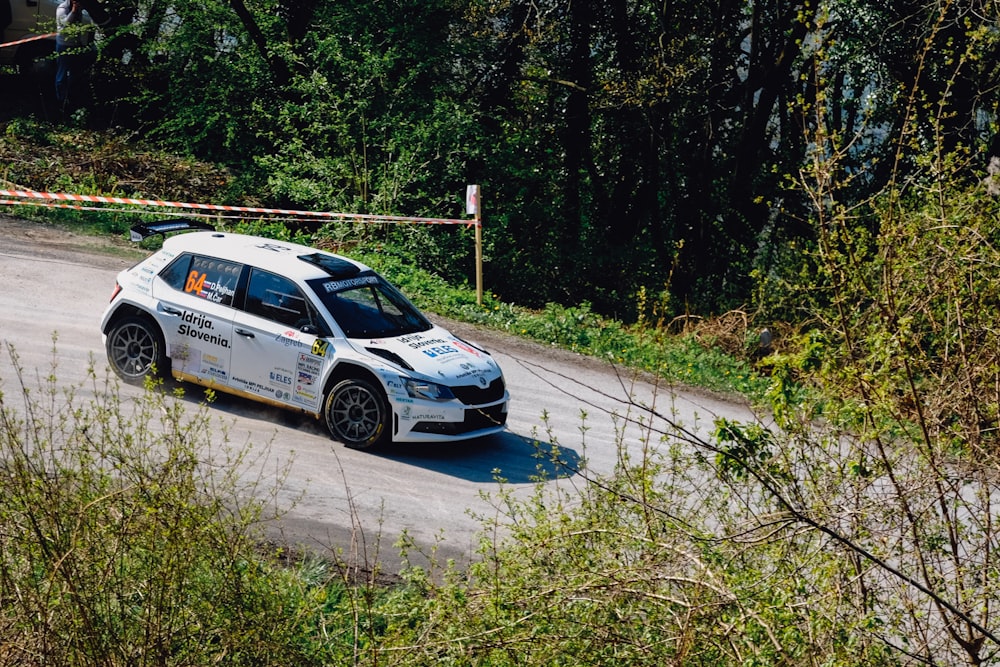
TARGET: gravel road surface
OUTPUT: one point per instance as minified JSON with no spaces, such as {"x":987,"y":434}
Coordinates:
{"x":58,"y":281}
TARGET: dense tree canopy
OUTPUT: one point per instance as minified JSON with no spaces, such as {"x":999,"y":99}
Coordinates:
{"x":621,"y":145}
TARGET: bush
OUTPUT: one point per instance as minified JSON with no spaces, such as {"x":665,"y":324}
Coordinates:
{"x":128,"y":537}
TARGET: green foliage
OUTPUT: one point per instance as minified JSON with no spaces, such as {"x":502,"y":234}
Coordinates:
{"x":269,"y":229}
{"x":901,"y":360}
{"x":620,"y":146}
{"x":743,"y":448}
{"x":650,"y":564}
{"x":46,"y":158}
{"x":371,"y":124}
{"x":623,"y":149}
{"x":678,"y":358}
{"x":129,"y":536}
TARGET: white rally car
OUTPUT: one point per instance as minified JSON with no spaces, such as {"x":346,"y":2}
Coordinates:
{"x":299,"y":328}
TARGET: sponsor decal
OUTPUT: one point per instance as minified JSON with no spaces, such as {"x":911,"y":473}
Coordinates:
{"x":288,"y":339}
{"x":196,"y":325}
{"x":213,"y":366}
{"x":478,"y":373}
{"x":280,"y":376}
{"x":253,"y":386}
{"x":307,"y":375}
{"x":273,"y":247}
{"x":180,"y":352}
{"x":309,"y":363}
{"x":441,"y":351}
{"x":158,"y":261}
{"x":465,"y":347}
{"x":197,"y":319}
{"x":303,"y":395}
{"x":214,"y":339}
{"x":406,"y":414}
{"x":199,"y":285}
{"x":425,"y":343}
{"x":185,"y":358}
{"x":338,"y":285}
{"x":214,"y":372}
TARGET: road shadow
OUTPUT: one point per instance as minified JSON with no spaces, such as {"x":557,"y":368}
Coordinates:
{"x":506,"y":456}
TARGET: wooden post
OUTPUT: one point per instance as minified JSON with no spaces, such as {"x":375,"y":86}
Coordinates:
{"x":473,"y":206}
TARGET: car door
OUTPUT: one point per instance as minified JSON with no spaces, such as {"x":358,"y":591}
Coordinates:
{"x":194,"y":306}
{"x":277,"y":352}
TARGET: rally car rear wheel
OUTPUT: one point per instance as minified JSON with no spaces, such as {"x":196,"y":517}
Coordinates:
{"x":356,"y":414}
{"x":135,"y":348}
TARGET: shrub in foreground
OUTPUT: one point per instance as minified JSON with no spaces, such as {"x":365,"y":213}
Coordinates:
{"x":128,"y":536}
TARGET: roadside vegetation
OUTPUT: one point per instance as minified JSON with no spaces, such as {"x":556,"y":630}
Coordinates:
{"x":839,"y":199}
{"x":713,"y":353}
{"x":859,"y":531}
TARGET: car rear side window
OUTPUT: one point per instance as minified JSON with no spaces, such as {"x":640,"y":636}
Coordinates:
{"x":208,"y":278}
{"x":277,"y":299}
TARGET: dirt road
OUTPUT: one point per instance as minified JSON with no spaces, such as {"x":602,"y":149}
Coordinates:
{"x":59,"y":282}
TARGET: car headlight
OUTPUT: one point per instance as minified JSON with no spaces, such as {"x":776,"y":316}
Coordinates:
{"x":428,"y":390}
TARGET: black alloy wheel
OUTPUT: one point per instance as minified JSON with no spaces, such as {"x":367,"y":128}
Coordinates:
{"x":135,"y":348}
{"x":356,"y":414}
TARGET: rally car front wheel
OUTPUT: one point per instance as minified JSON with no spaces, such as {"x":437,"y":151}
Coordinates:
{"x":356,"y":414}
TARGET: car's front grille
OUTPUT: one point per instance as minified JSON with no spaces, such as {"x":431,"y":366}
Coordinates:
{"x":475,"y":420}
{"x":473,"y":395}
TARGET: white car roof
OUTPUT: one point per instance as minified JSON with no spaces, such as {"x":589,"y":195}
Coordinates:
{"x":281,"y":257}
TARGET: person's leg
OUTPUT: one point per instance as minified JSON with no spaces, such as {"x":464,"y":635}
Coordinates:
{"x":62,"y":75}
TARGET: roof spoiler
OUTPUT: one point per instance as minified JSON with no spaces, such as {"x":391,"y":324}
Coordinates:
{"x":142,"y":232}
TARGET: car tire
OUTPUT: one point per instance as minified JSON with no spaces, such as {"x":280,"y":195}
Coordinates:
{"x":135,"y":349}
{"x":356,"y":414}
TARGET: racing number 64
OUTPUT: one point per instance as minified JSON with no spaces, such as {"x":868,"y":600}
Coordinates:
{"x":195,"y":282}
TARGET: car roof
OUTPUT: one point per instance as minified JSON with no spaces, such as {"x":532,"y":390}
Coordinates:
{"x":282,"y":257}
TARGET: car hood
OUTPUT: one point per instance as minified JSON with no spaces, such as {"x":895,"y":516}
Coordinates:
{"x":436,"y":354}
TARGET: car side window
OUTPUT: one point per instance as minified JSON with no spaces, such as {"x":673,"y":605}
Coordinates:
{"x":277,"y":299}
{"x":208,"y":278}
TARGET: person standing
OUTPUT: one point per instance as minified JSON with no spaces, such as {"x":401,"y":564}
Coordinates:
{"x":74,"y":49}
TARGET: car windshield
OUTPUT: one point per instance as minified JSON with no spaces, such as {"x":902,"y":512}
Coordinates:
{"x":366,"y":306}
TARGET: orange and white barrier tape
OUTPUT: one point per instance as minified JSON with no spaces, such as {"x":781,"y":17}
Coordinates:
{"x":28,"y":39}
{"x":49,"y":197}
{"x":80,"y":207}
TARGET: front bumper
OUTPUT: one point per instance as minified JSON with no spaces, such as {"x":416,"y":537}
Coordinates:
{"x":424,"y":421}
